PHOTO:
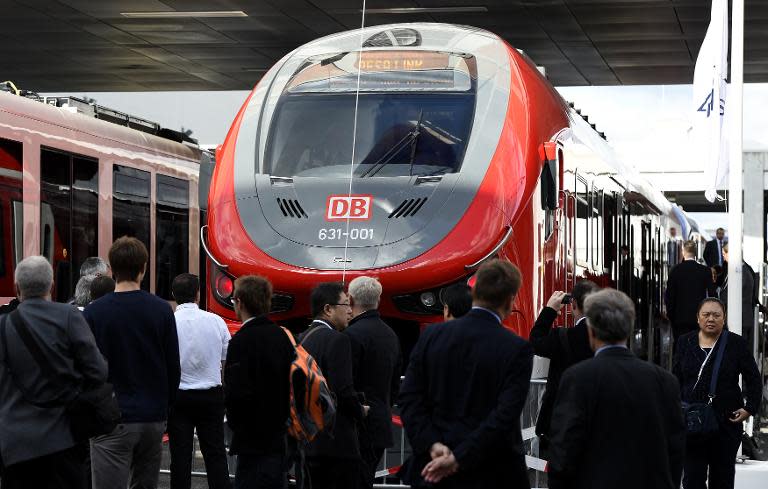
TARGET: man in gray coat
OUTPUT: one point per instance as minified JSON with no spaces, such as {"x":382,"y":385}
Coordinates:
{"x":36,"y":444}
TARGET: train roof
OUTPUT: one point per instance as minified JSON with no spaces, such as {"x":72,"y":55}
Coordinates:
{"x":420,"y":36}
{"x":70,"y":119}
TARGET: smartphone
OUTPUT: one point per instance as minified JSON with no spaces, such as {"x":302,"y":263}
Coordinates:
{"x":567,"y":299}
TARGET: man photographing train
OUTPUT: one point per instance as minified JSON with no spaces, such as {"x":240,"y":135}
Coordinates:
{"x":563,"y":346}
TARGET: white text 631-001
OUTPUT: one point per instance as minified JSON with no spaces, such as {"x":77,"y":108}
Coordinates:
{"x":331,"y":234}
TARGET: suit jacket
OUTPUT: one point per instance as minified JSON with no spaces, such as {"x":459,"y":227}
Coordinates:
{"x":688,"y":284}
{"x":333,"y":353}
{"x":728,"y":395}
{"x":465,"y":386}
{"x":256,"y":387}
{"x":617,"y":423}
{"x":548,"y":343}
{"x":27,"y":431}
{"x":376,"y":363}
{"x":713,"y":256}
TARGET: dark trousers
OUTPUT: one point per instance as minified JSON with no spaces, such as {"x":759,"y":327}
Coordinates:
{"x":333,"y":472}
{"x":370,"y":456}
{"x":261,"y":471}
{"x":60,"y":470}
{"x":204,"y":410}
{"x":716,"y":453}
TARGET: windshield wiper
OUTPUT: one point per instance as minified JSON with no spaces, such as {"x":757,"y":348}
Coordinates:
{"x":415,"y":142}
{"x":409,"y":137}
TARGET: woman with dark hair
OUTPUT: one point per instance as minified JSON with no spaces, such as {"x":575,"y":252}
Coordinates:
{"x":694,"y":363}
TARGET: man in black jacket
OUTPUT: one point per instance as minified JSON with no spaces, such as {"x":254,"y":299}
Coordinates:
{"x":688,"y":284}
{"x":563,"y":347}
{"x":713,"y":250}
{"x":334,"y":457}
{"x":256,"y":389}
{"x":376,"y":363}
{"x":617,"y":421}
{"x":464,"y":391}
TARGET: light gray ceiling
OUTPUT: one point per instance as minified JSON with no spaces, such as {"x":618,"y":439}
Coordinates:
{"x":86,"y":45}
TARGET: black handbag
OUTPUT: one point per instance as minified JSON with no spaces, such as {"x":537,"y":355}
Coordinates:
{"x":700,"y":417}
{"x":93,"y":410}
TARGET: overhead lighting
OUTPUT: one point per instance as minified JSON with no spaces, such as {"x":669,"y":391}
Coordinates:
{"x":180,"y":15}
{"x":427,"y":10}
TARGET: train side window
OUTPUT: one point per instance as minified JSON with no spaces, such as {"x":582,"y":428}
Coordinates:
{"x":130,"y":207}
{"x":69,"y":187}
{"x":11,"y":164}
{"x":582,"y":222}
{"x":172,"y":253}
{"x":596,"y":223}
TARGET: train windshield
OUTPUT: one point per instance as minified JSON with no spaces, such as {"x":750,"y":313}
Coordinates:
{"x":414,"y":115}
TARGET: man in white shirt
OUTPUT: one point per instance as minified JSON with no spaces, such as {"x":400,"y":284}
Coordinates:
{"x":203,"y":341}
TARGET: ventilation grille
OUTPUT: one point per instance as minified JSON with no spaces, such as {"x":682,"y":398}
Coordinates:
{"x":291,"y":208}
{"x":408,"y":208}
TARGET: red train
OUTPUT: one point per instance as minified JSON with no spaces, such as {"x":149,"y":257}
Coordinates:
{"x":414,"y":159}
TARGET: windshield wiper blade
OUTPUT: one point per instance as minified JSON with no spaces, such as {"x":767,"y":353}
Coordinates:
{"x":387,"y":157}
{"x":415,"y":142}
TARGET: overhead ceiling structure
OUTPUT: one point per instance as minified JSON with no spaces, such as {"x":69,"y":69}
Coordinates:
{"x":148,"y":45}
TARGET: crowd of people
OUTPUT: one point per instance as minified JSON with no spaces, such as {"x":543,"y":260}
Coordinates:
{"x":608,"y":419}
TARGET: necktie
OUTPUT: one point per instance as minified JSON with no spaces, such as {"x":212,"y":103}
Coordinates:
{"x":719,"y":253}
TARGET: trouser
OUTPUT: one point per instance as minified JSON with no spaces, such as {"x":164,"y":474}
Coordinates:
{"x":261,"y":471}
{"x":128,"y":457}
{"x":370,"y":456}
{"x":60,"y":470}
{"x":204,"y":410}
{"x":716,"y":453}
{"x":333,"y":472}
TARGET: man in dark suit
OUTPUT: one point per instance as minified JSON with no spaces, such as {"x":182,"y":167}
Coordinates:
{"x":376,"y":363}
{"x":563,"y":347}
{"x":464,"y":390}
{"x":617,"y":420}
{"x":713,"y":250}
{"x":257,"y":389}
{"x":334,"y":457}
{"x":36,"y":443}
{"x":688,"y":284}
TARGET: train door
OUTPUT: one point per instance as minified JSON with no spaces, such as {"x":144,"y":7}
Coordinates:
{"x":69,"y":191}
{"x":549,"y":229}
{"x":11,"y":219}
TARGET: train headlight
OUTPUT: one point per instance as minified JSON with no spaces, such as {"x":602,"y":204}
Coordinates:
{"x":428,"y":299}
{"x":223,"y":286}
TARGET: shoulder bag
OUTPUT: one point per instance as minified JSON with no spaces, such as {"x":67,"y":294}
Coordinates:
{"x":92,"y":412}
{"x":700,"y":417}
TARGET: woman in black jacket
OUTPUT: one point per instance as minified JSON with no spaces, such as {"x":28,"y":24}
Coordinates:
{"x":717,"y":451}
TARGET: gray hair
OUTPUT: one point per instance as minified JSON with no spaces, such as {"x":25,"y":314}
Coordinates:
{"x":34,"y":277}
{"x":83,"y":290}
{"x":611,"y":315}
{"x":93,"y":265}
{"x":365,"y":291}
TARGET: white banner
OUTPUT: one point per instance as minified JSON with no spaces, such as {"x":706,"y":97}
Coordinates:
{"x":709,"y":133}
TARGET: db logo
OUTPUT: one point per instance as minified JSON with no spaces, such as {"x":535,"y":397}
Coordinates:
{"x":343,"y":207}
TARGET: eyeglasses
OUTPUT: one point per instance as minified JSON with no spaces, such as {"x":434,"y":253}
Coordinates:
{"x":713,"y":315}
{"x":347,"y":304}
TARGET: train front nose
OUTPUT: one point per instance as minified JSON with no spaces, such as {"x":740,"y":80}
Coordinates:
{"x":324,"y":225}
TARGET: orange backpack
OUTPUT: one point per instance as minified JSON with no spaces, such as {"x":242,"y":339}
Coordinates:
{"x":313,"y":405}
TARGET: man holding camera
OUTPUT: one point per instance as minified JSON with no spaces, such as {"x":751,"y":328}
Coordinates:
{"x":563,"y":346}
